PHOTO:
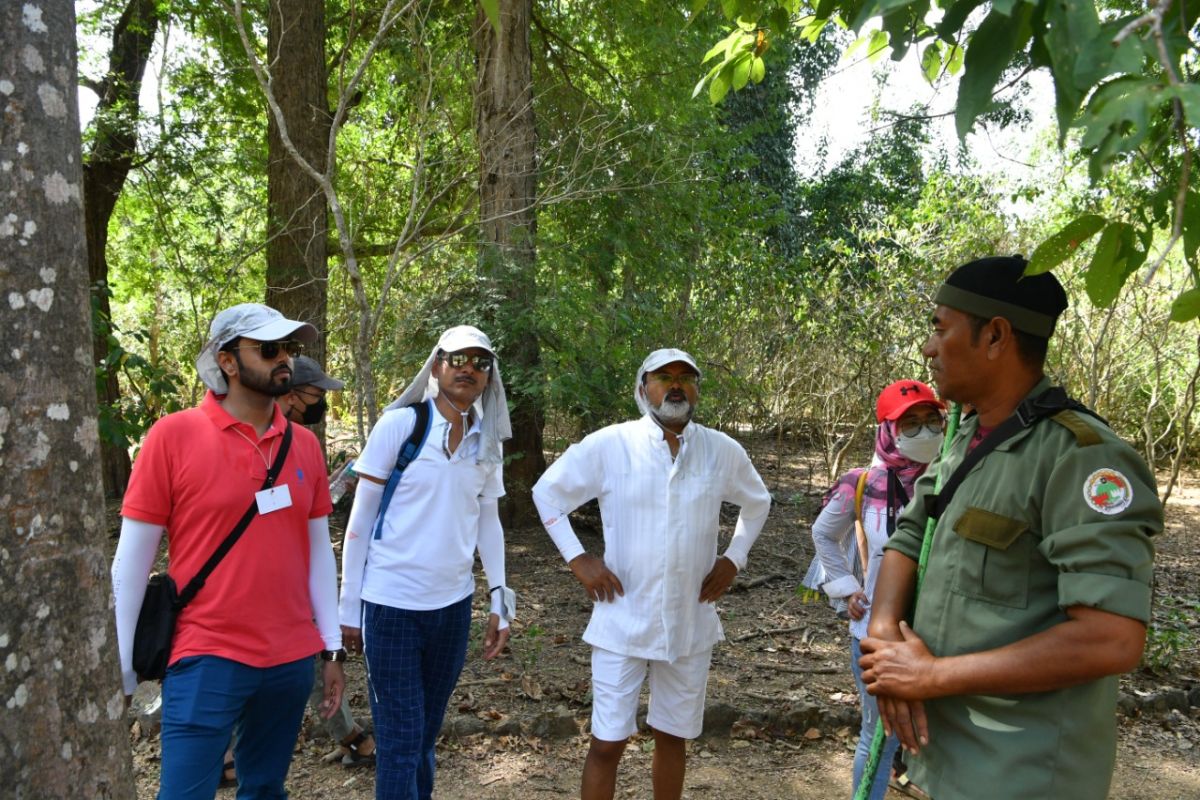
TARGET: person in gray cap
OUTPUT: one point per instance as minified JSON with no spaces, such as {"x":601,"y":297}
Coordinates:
{"x":305,"y":402}
{"x":660,"y":481}
{"x":1003,"y":681}
{"x":424,"y":506}
{"x":242,"y":650}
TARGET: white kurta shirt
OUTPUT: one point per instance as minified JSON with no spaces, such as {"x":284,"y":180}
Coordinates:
{"x":661,"y":520}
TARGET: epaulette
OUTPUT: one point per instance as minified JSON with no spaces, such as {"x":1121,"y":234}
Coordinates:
{"x":1085,"y":434}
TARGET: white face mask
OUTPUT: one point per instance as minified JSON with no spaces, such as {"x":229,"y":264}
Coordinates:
{"x":922,"y":448}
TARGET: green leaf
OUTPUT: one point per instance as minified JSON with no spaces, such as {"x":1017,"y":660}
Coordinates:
{"x":747,"y":24}
{"x":1108,"y":269}
{"x":931,"y":61}
{"x":758,"y":70}
{"x":492,"y":9}
{"x":992,"y":48}
{"x":955,"y":64}
{"x":1191,"y":226}
{"x":780,"y":20}
{"x":1059,"y":247}
{"x":1186,"y":307}
{"x":717,"y":49}
{"x":955,"y":17}
{"x":741,"y":71}
{"x":879,"y":43}
{"x":719,"y":87}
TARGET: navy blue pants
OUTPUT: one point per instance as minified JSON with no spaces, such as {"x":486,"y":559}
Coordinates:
{"x":414,"y":659}
{"x":204,"y":697}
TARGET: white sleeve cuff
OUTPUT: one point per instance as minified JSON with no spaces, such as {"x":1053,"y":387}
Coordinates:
{"x":842,"y":587}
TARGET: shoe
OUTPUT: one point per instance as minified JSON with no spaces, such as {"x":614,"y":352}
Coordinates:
{"x":354,"y":758}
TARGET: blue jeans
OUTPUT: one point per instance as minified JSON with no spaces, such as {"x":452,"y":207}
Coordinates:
{"x":204,"y":698}
{"x":870,"y":715}
{"x":414,"y":659}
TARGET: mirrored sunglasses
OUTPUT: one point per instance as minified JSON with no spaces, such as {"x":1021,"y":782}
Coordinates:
{"x":460,"y":360}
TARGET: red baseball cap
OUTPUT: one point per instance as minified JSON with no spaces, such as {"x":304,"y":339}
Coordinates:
{"x":900,"y":396}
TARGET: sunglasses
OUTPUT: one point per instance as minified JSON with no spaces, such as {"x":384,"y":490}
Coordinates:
{"x":666,"y":378}
{"x":911,"y":428}
{"x":270,"y":350}
{"x":460,"y":360}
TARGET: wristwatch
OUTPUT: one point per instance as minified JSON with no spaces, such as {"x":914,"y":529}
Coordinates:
{"x":333,"y":655}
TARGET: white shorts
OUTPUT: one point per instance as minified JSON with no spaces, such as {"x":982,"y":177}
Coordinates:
{"x":676,"y":694}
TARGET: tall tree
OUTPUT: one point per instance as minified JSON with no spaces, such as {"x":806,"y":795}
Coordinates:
{"x":507,"y":137}
{"x":107,"y":165}
{"x":64,"y":733}
{"x":297,"y":274}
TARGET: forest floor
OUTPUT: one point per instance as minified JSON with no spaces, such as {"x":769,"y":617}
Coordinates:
{"x":782,"y":708}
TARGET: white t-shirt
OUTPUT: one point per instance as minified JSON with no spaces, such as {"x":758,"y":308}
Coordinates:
{"x":425,"y":550}
{"x":661,"y":519}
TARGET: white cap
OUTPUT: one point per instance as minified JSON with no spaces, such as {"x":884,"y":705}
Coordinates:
{"x":656,"y":360}
{"x":464,"y":337}
{"x":254,"y":321}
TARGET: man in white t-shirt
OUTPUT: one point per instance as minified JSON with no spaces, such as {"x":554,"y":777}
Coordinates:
{"x":660,"y":481}
{"x":407,"y":578}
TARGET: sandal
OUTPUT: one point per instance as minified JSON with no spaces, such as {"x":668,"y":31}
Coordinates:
{"x":353,"y":757}
{"x":902,"y":784}
{"x":228,"y":775}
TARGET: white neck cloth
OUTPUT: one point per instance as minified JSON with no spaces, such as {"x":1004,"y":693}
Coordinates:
{"x":492,"y":406}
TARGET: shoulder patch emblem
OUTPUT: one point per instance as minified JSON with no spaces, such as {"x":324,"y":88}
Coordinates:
{"x":1107,"y":491}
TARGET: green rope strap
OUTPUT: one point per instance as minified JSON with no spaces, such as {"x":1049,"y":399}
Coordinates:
{"x":868,"y":781}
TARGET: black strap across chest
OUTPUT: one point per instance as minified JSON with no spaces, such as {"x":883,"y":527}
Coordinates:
{"x":1031,"y":411}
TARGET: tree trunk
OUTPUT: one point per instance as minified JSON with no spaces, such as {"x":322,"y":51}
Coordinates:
{"x":297,"y":274}
{"x":104,"y":173}
{"x":507,"y":136}
{"x":64,"y":732}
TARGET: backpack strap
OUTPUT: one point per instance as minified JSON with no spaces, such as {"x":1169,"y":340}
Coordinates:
{"x":1049,"y":404}
{"x":408,"y":453}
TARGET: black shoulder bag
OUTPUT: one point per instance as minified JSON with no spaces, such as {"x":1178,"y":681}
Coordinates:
{"x":161,"y":606}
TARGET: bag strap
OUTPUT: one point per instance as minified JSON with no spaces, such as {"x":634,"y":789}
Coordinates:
{"x":860,"y":532}
{"x":408,"y":453}
{"x":197,"y":583}
{"x":1031,"y":411}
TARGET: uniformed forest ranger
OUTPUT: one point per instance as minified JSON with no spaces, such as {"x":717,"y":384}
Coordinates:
{"x":1037,"y":592}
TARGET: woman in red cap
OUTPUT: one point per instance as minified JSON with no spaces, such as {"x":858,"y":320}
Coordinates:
{"x":858,"y":516}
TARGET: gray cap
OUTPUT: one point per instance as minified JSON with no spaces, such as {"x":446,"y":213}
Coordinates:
{"x":254,"y":321}
{"x":307,"y":372}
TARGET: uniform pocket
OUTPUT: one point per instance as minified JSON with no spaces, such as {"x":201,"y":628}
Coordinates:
{"x":994,"y":560}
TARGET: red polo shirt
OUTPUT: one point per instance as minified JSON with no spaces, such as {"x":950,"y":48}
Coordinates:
{"x":197,"y":472}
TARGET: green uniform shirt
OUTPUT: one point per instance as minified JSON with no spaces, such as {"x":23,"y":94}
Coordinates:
{"x":1046,"y":521}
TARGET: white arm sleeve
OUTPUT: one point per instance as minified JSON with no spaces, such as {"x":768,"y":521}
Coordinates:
{"x":744,"y":535}
{"x":136,"y":551}
{"x":322,"y":583}
{"x":830,"y":532}
{"x":558,"y":525}
{"x":367,"y":497}
{"x":491,"y":553}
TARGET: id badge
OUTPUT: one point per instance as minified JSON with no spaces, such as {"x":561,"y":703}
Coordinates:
{"x":273,"y":499}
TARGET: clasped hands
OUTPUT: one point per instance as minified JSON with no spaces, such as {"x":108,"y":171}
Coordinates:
{"x":898,"y":674}
{"x":602,"y":585}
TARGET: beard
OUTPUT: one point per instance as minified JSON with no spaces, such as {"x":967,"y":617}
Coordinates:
{"x":264,"y":381}
{"x":673,"y":412}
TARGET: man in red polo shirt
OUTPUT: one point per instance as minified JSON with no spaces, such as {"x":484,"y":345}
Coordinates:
{"x":243,"y":647}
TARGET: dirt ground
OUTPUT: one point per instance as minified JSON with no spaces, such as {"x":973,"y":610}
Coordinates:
{"x":782,"y":709}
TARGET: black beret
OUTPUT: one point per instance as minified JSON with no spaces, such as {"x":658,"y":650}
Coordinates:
{"x":998,"y":287}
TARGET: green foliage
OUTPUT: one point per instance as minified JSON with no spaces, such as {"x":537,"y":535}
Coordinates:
{"x":1171,"y":636}
{"x":151,"y":387}
{"x":1122,"y":76}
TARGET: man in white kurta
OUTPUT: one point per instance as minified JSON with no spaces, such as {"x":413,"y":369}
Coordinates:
{"x":660,"y":481}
